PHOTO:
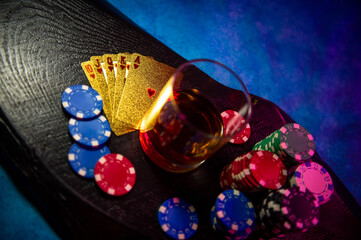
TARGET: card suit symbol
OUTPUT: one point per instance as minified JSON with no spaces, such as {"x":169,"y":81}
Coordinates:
{"x":115,"y":64}
{"x":150,"y":92}
{"x":92,"y":75}
{"x":99,"y":70}
{"x":128,"y":67}
{"x":136,"y":66}
{"x":122,"y":67}
{"x":110,"y":68}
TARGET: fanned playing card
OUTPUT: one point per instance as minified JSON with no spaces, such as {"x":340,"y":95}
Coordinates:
{"x":110,"y":62}
{"x":102,"y":85}
{"x":129,"y":84}
{"x":145,"y":80}
{"x":120,"y":79}
{"x":88,"y":69}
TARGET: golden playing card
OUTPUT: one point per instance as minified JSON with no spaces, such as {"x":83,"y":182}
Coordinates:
{"x":88,"y":69}
{"x":144,"y":82}
{"x":120,"y":79}
{"x":102,"y":85}
{"x":110,"y":68}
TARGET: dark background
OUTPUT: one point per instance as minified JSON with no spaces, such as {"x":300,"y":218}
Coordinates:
{"x":303,"y":56}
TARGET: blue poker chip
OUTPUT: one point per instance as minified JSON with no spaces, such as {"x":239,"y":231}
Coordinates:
{"x":83,"y":160}
{"x":178,"y":218}
{"x":91,"y":133}
{"x":235,"y":212}
{"x":82,"y":102}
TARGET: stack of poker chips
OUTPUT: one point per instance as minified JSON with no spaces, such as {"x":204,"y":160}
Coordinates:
{"x":315,"y":178}
{"x":254,"y":171}
{"x":89,"y":129}
{"x":89,"y":156}
{"x":294,"y":209}
{"x":233,"y":215}
{"x":292,"y":143}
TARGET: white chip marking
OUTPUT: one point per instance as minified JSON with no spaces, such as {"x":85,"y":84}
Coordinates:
{"x":96,"y":111}
{"x":79,"y":115}
{"x":65,"y":104}
{"x":72,"y":121}
{"x":162,"y":209}
{"x":71,"y":157}
{"x":97,"y":177}
{"x":111,"y":191}
{"x":95,"y":143}
{"x":82,"y":172}
{"x":76,"y":137}
{"x":102,"y":160}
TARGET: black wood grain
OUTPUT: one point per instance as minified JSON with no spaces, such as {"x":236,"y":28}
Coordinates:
{"x":42,"y":46}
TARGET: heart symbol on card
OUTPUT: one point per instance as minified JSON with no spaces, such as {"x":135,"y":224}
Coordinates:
{"x":150,"y":92}
{"x":92,"y":75}
{"x":99,"y":70}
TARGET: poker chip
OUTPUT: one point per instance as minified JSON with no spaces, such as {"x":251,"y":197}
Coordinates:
{"x":90,"y":133}
{"x":83,"y":160}
{"x":233,"y":215}
{"x":232,"y":121}
{"x":294,"y":209}
{"x":254,"y":171}
{"x":114,"y":174}
{"x":82,"y":102}
{"x":268,"y":170}
{"x":242,"y":136}
{"x":316,"y":179}
{"x":178,"y":218}
{"x":292,"y":143}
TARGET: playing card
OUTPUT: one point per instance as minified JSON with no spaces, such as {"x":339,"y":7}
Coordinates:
{"x":88,"y":69}
{"x":110,"y":62}
{"x":146,"y":78}
{"x":120,"y":128}
{"x":102,"y":85}
{"x":119,"y":80}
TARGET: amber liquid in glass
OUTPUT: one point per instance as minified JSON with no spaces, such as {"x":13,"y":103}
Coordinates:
{"x":182,"y":139}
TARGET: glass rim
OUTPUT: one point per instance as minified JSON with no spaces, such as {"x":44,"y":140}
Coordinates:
{"x":245,"y":90}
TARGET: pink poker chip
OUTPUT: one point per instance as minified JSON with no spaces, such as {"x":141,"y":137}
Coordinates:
{"x":316,"y":179}
{"x":232,"y":120}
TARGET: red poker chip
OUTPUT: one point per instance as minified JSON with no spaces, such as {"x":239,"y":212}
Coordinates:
{"x":114,"y":174}
{"x":268,"y":170}
{"x":249,"y":180}
{"x":242,"y":136}
{"x":242,"y":175}
{"x":236,"y":173}
{"x":232,"y":120}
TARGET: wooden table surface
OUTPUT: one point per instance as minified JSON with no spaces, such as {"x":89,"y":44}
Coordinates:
{"x":42,"y":46}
